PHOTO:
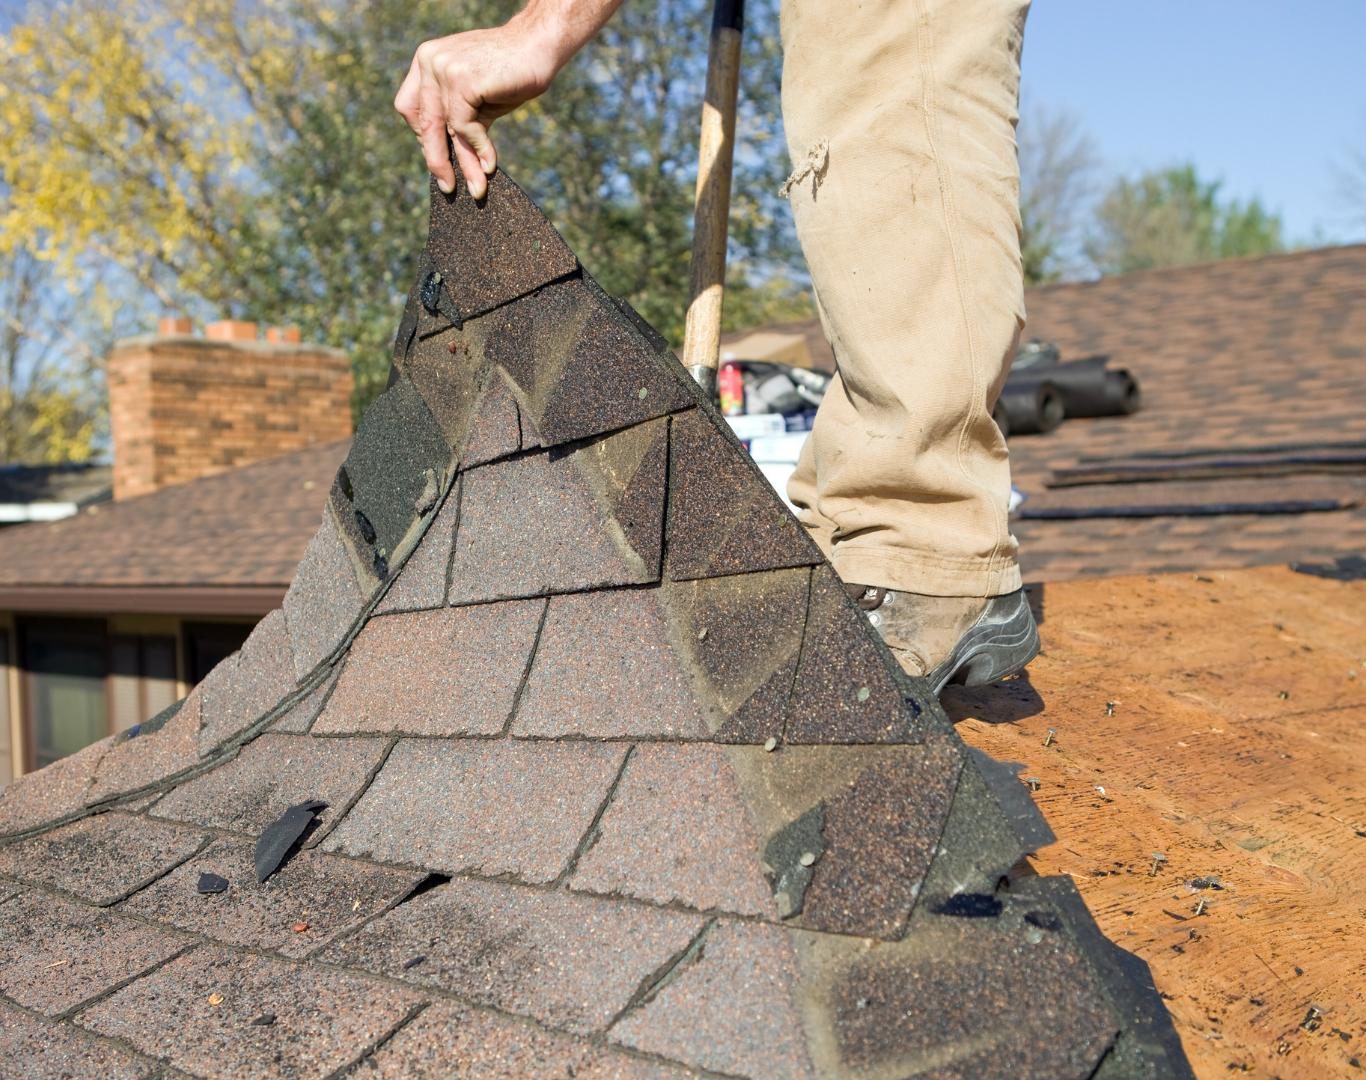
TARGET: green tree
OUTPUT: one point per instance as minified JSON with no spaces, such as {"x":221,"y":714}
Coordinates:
{"x":1058,"y":166}
{"x":51,"y":408}
{"x":241,"y":157}
{"x":1172,"y":217}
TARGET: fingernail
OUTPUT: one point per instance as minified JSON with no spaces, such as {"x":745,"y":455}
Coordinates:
{"x":445,"y":185}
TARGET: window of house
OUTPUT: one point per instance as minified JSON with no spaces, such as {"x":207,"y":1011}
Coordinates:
{"x":64,"y":663}
{"x":6,"y":761}
{"x":142,"y":678}
{"x":208,"y":643}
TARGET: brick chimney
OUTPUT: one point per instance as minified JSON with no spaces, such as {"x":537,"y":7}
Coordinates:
{"x":182,"y":406}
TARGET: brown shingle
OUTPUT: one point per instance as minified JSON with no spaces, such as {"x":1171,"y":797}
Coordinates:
{"x":491,"y":807}
{"x":55,"y":954}
{"x":569,"y":961}
{"x":398,"y":680}
{"x":202,"y":1014}
{"x":101,"y":859}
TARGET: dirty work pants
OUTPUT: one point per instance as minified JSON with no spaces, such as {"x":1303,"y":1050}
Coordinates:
{"x":900,"y":118}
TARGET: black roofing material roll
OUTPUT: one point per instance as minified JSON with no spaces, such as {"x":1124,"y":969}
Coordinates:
{"x":1028,"y":408}
{"x":1086,"y":387}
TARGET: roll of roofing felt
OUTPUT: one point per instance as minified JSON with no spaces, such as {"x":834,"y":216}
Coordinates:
{"x":1086,"y":387}
{"x":1028,"y":408}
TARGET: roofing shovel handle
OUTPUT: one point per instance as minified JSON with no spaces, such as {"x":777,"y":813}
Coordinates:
{"x":716,"y":154}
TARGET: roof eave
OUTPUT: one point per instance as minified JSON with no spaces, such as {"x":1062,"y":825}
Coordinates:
{"x":189,"y":600}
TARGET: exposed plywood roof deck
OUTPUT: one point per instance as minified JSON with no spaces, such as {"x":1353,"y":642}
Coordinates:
{"x":1235,"y":750}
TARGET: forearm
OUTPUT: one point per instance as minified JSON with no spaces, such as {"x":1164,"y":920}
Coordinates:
{"x":562,"y":27}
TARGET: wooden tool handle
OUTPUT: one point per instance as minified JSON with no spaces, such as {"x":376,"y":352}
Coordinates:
{"x":716,"y":153}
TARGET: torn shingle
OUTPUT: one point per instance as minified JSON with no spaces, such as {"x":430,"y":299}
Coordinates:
{"x":337,"y":894}
{"x":493,"y":250}
{"x":270,"y":774}
{"x":281,"y":837}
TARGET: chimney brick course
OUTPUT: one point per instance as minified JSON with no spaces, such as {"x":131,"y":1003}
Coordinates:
{"x":183,"y":407}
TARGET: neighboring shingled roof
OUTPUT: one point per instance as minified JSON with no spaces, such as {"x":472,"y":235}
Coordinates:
{"x":43,"y":492}
{"x":610,"y":776}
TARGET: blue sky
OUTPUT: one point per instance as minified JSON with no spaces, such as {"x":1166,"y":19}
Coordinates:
{"x":1267,"y":96}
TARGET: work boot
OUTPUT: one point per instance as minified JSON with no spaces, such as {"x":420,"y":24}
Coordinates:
{"x":958,"y":639}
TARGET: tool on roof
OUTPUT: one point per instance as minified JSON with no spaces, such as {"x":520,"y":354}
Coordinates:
{"x":716,"y":154}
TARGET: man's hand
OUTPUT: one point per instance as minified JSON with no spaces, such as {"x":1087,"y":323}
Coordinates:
{"x":461,"y":84}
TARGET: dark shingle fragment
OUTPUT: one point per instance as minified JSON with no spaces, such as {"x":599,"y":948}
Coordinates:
{"x":605,"y":668}
{"x":103,"y":858}
{"x":400,"y":675}
{"x":741,"y":635}
{"x":724,"y":518}
{"x":196,"y":1013}
{"x":569,"y":961}
{"x":248,"y":684}
{"x":457,"y":1039}
{"x":488,"y":807}
{"x":558,"y":521}
{"x":331,"y":893}
{"x":701,"y":850}
{"x":270,"y":774}
{"x":388,"y":473}
{"x":55,"y":954}
{"x":60,"y":1051}
{"x":324,"y":599}
{"x":582,"y":366}
{"x":848,"y":689}
{"x":282,"y":836}
{"x":730,"y":1010}
{"x":207,"y":884}
{"x":495,"y":249}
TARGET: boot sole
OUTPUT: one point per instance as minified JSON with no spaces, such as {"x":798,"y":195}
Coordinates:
{"x":996,"y":648}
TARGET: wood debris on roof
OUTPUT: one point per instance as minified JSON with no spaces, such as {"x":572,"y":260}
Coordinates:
{"x":604,"y":770}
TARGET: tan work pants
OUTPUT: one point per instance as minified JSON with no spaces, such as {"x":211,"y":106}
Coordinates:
{"x":900,"y":119}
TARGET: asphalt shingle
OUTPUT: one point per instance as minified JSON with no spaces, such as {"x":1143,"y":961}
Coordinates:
{"x":495,"y":808}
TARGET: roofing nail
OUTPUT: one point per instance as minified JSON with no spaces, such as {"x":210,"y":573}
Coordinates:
{"x":1048,"y":739}
{"x":1158,"y":858}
